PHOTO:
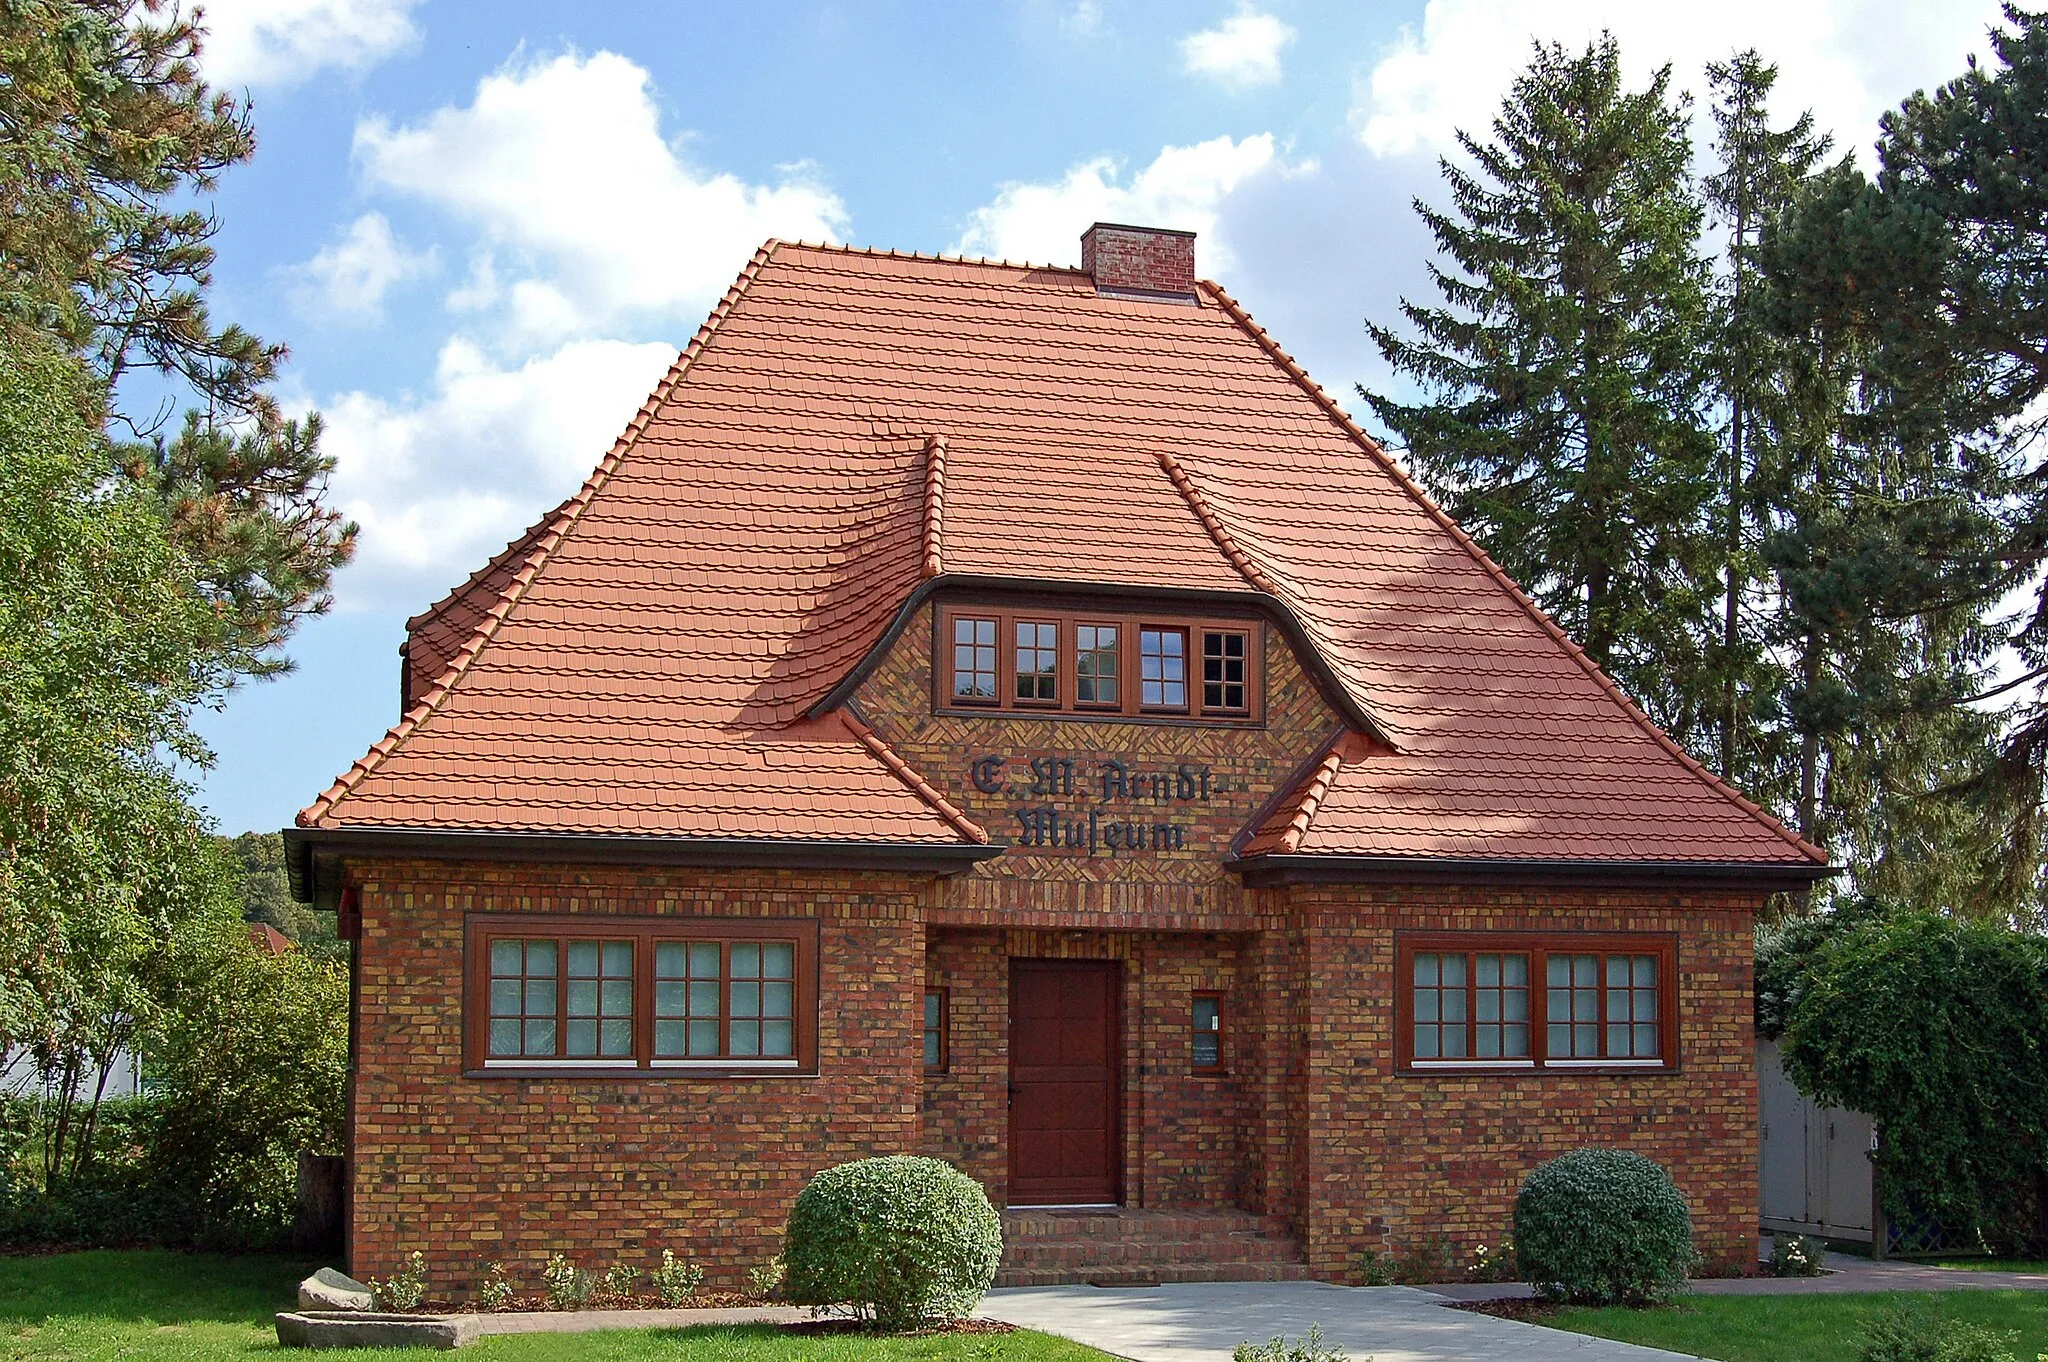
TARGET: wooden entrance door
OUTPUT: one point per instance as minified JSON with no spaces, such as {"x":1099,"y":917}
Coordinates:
{"x":1066,"y":1082}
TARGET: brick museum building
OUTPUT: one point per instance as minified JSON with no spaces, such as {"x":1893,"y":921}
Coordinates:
{"x":1012,"y":714}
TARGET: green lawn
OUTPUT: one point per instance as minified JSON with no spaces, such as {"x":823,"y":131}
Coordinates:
{"x":174,"y":1307}
{"x":1809,"y":1328}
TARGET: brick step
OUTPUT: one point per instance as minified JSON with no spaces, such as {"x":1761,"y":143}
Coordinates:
{"x":1123,"y":1247}
{"x":1127,"y":1224}
{"x":1132,"y":1275}
{"x":1104,"y":1252}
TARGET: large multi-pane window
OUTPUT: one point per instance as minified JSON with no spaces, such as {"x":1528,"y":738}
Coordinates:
{"x":1494,"y":1001}
{"x":639,"y":994}
{"x":1082,"y":662}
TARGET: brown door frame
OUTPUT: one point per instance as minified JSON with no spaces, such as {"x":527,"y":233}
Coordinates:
{"x":1119,"y":1063}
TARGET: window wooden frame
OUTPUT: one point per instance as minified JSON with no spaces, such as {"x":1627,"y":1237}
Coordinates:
{"x":945,"y":1029}
{"x":646,"y":933}
{"x":1538,"y":947}
{"x":1222,"y":1001}
{"x":1130,"y":687}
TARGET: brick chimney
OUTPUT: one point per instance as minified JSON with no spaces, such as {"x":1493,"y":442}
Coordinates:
{"x":1145,"y":262}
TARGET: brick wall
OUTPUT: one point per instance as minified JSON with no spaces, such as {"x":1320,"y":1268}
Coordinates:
{"x":1391,"y":1158}
{"x":1137,"y":258}
{"x":613,"y":1168}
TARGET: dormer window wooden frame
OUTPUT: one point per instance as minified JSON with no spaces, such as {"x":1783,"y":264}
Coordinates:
{"x":1110,"y":663}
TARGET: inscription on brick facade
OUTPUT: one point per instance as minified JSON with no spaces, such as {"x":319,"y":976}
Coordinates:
{"x":1106,"y":802}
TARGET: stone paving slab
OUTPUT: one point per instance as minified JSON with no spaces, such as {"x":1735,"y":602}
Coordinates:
{"x":588,"y":1321}
{"x":1204,"y":1321}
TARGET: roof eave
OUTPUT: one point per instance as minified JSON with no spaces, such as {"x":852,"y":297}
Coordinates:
{"x":1275,"y":869}
{"x":1271,"y":606}
{"x":314,"y":856}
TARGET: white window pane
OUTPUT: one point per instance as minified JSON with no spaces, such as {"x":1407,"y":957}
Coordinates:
{"x":540,"y":1037}
{"x":746,"y":960}
{"x":540,"y":997}
{"x":703,"y":1038}
{"x":1515,"y":1041}
{"x":583,"y":997}
{"x":746,"y":1038}
{"x":668,"y":1038}
{"x":778,"y":1039}
{"x":582,"y":1039}
{"x":505,"y":957}
{"x":670,"y":959}
{"x":704,"y":960}
{"x":618,"y":958}
{"x":1426,"y":1043}
{"x":618,"y":997}
{"x":504,"y":1037}
{"x":704,"y":998}
{"x":582,"y":959}
{"x":540,"y":957}
{"x":1646,"y":1041}
{"x":618,"y":1038}
{"x":746,"y":999}
{"x":778,"y":960}
{"x":778,"y":1000}
{"x":505,"y":997}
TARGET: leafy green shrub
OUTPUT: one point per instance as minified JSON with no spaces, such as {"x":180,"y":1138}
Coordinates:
{"x":1912,"y":1334}
{"x":1308,"y":1348}
{"x":1932,"y":1025}
{"x":1372,"y":1267}
{"x":1603,"y":1226}
{"x":676,"y":1281}
{"x":900,"y":1240}
{"x":1794,"y":1255}
{"x":616,"y":1287}
{"x":764,"y":1281}
{"x":1493,"y":1264}
{"x":406,"y":1288}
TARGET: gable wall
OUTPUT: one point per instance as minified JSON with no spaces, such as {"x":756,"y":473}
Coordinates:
{"x":1189,"y":889}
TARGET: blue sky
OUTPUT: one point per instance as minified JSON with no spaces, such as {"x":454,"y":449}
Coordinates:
{"x":485,"y":230}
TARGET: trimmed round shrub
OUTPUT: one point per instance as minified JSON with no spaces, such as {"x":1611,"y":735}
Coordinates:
{"x":899,"y":1240}
{"x":1602,"y":1226}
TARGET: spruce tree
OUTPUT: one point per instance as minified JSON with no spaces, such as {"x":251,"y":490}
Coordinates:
{"x":1759,"y":173}
{"x":1934,"y":275}
{"x":1561,"y":419}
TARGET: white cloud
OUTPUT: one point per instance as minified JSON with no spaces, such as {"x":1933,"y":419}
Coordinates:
{"x":277,"y":42}
{"x":347,"y":281}
{"x":590,"y":214}
{"x":1242,"y":51}
{"x":1184,"y":187}
{"x":441,"y":482}
{"x":1847,"y":60}
{"x":1084,"y":20}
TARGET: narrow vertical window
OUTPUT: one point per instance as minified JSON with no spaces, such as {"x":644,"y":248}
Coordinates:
{"x":689,"y":1012}
{"x":1095,"y":668}
{"x":523,"y":978}
{"x":1572,"y":1007}
{"x":762,"y":999}
{"x":1163,"y":668}
{"x":1632,"y":1007}
{"x":1223,"y":672}
{"x":935,"y":1056}
{"x":1501,"y":992}
{"x":1440,"y":1011}
{"x":1205,"y":1041}
{"x":600,"y":1000}
{"x":1038,"y":661}
{"x":974,"y":658}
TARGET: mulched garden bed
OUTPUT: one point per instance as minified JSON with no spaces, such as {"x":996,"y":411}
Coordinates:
{"x":854,"y":1326}
{"x":1524,"y":1308}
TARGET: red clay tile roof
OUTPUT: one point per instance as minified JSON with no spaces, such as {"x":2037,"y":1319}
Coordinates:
{"x":850,"y":423}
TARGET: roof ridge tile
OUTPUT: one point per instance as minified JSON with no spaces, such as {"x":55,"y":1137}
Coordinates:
{"x":902,"y":770}
{"x":934,"y":503}
{"x":1414,"y":490}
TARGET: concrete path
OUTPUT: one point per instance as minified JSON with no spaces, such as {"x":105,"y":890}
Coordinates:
{"x":1204,"y":1321}
{"x":1846,"y":1273}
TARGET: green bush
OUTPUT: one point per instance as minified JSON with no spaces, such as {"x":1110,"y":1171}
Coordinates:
{"x":1915,"y":1334}
{"x":899,"y":1240}
{"x":1603,"y":1226}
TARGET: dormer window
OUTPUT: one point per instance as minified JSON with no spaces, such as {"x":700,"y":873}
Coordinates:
{"x":1104,"y":664}
{"x":974,"y":660}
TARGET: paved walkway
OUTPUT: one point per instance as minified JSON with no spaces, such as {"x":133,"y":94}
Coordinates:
{"x":587,"y":1321}
{"x":1204,"y":1321}
{"x":1846,"y":1273}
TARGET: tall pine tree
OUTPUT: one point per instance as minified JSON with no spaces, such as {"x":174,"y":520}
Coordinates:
{"x":1760,"y":171}
{"x":1562,"y":413}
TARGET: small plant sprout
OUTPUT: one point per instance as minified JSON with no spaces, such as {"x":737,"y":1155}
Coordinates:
{"x":568,"y":1288}
{"x":617,"y":1286}
{"x":405,"y":1288}
{"x":764,"y":1281}
{"x":1308,"y":1348}
{"x":675,"y":1281}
